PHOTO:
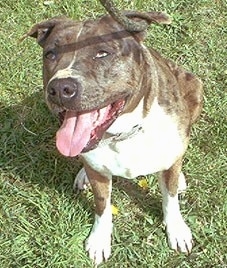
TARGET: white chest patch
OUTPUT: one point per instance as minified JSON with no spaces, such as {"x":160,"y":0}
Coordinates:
{"x":154,"y":148}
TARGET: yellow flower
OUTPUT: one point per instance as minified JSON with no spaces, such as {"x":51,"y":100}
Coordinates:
{"x":143,"y":184}
{"x":115,"y":210}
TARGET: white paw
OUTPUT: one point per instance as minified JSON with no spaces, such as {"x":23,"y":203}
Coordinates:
{"x":98,"y":245}
{"x":181,"y":183}
{"x":179,"y":236}
{"x":81,"y":181}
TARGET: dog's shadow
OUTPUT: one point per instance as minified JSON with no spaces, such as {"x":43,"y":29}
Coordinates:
{"x":140,"y":196}
{"x":27,"y":134}
{"x":28,"y":153}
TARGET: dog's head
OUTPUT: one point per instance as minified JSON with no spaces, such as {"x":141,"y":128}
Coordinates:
{"x":92,"y":72}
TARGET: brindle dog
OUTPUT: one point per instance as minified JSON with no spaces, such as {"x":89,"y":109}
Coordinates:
{"x":126,"y":110}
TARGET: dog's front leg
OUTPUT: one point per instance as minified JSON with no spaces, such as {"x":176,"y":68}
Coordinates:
{"x":98,"y":243}
{"x":171,"y":183}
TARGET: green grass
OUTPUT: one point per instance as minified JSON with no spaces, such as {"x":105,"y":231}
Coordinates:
{"x":42,"y":222}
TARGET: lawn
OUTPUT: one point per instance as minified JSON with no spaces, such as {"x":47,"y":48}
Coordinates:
{"x":43,"y":223}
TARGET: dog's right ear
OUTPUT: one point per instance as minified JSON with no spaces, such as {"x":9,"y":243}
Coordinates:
{"x":42,"y":30}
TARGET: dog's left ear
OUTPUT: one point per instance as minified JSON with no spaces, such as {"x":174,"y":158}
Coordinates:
{"x":147,"y":18}
{"x":42,"y":30}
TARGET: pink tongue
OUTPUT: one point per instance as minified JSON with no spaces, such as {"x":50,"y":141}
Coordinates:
{"x":75,"y":131}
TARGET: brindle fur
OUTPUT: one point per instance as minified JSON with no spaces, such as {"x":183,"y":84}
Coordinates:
{"x":59,"y":35}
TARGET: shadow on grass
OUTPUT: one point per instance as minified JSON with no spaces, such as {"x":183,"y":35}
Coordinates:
{"x":148,"y":203}
{"x":28,"y":147}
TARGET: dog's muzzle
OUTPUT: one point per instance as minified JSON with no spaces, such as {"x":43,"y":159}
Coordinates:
{"x":63,"y":91}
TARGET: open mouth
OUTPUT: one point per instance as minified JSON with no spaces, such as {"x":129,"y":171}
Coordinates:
{"x":80,"y":133}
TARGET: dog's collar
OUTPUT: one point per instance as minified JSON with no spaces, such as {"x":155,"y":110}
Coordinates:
{"x":108,"y":137}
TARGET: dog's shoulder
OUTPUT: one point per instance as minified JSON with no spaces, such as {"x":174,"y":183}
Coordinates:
{"x":189,"y":85}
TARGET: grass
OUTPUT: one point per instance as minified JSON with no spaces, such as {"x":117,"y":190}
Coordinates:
{"x":42,"y":222}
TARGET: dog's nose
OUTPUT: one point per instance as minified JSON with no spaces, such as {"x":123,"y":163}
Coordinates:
{"x":62,"y":90}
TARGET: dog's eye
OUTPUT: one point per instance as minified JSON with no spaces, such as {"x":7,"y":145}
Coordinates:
{"x":101,"y":54}
{"x":50,"y":55}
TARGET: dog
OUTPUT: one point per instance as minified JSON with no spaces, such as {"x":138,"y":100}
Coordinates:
{"x":124,"y":110}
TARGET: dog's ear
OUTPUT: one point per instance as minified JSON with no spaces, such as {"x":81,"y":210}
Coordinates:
{"x":147,"y":18}
{"x":42,"y":30}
